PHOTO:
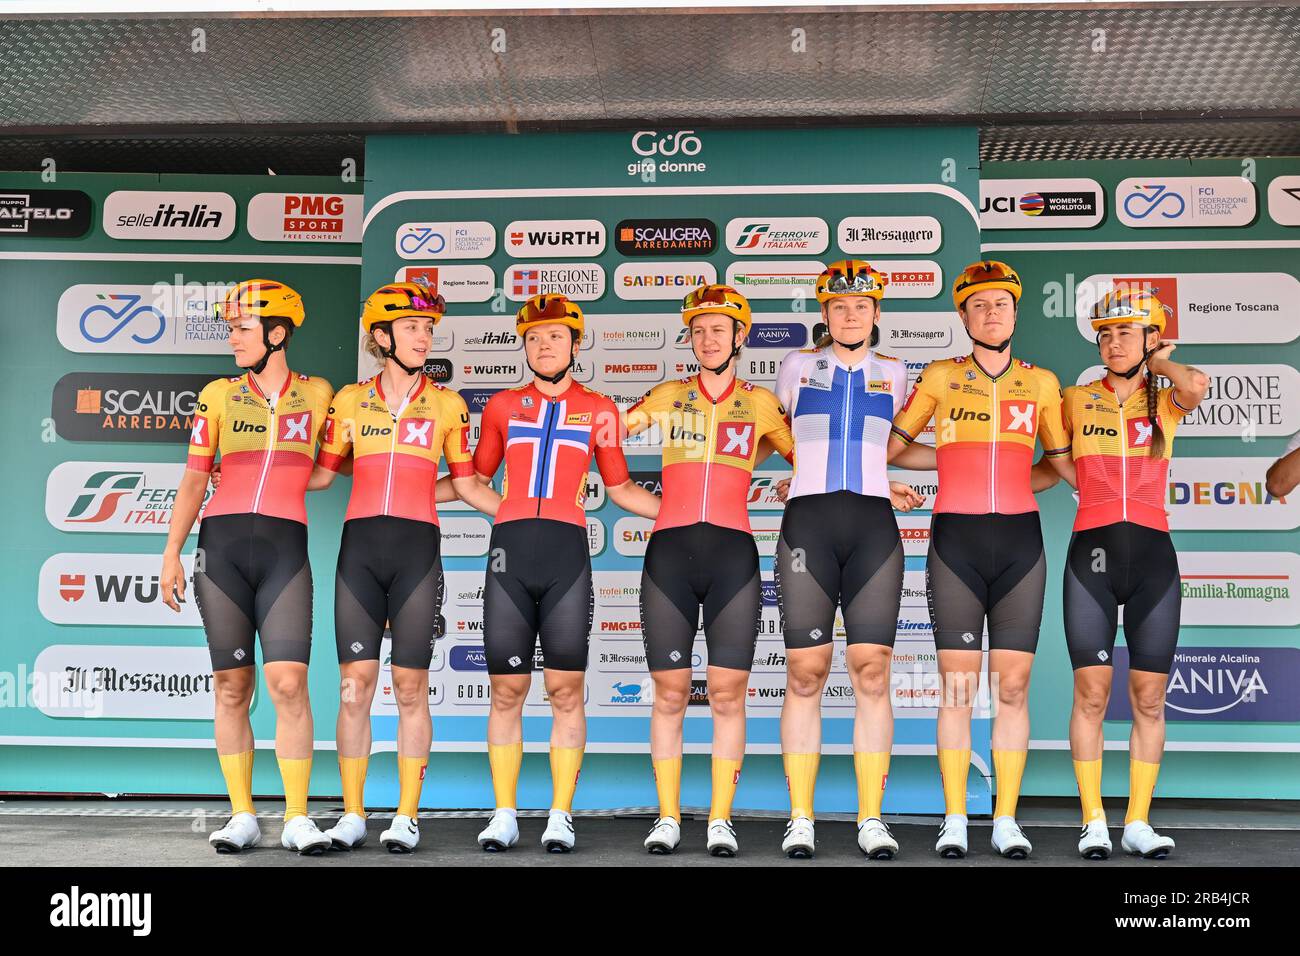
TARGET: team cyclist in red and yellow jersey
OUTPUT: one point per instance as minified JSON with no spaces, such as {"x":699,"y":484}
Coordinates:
{"x":1121,"y":553}
{"x":393,"y":427}
{"x":251,"y":573}
{"x":715,"y":429}
{"x":538,"y":585}
{"x":986,"y":546}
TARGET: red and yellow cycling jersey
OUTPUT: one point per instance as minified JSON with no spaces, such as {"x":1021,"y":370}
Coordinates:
{"x":1118,"y":478}
{"x":548,"y":442}
{"x":709,"y":447}
{"x":267,"y":443}
{"x":395,"y":457}
{"x":984,"y":429}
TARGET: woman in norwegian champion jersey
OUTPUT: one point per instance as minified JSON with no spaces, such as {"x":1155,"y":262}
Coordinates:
{"x":538,"y":583}
{"x":1121,"y":553}
{"x":715,"y":429}
{"x":839,"y":545}
{"x":985,"y":561}
{"x":251,"y":572}
{"x":393,"y":428}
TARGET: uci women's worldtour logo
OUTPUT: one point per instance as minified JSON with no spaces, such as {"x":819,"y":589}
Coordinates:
{"x":112,"y":496}
{"x":129,"y":214}
{"x":446,"y":240}
{"x":1041,"y":203}
{"x":665,"y":152}
{"x":1185,"y":201}
{"x":158,"y":319}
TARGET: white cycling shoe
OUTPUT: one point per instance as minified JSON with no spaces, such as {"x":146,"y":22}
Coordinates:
{"x":501,"y":833}
{"x":951,"y":844}
{"x":875,"y":840}
{"x":402,"y":837}
{"x":722,"y":838}
{"x":1009,"y":840}
{"x":664,"y":836}
{"x":800,"y":839}
{"x":240,"y":833}
{"x":349,"y":833}
{"x":302,"y":834}
{"x":1140,"y":839}
{"x":1094,"y":841}
{"x":558,"y":837}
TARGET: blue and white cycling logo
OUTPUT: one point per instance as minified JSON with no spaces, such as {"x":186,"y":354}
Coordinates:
{"x":417,"y":239}
{"x":102,"y":321}
{"x":625,"y":693}
{"x":1149,"y":198}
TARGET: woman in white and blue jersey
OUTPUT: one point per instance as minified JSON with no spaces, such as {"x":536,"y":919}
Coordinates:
{"x":839,"y":544}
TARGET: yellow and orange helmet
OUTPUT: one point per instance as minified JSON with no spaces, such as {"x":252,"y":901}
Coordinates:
{"x":401,"y":300}
{"x":1136,"y":306}
{"x":851,"y":277}
{"x":262,"y":299}
{"x":982,"y":276}
{"x":545,"y":309}
{"x":717,"y":298}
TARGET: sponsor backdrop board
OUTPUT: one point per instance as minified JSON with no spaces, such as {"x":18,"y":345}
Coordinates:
{"x":626,"y":223}
{"x":1218,"y":241}
{"x":108,"y":335}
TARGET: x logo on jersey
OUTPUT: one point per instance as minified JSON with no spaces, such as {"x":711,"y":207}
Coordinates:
{"x":416,"y":432}
{"x":735,"y":439}
{"x":294,"y":427}
{"x":1018,"y":418}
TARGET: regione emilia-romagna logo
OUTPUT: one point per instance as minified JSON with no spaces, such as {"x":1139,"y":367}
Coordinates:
{"x":1239,"y":588}
{"x":305,"y":217}
{"x":579,"y":281}
{"x":540,"y":238}
{"x":782,"y":235}
{"x":1041,"y":203}
{"x":446,"y":240}
{"x":889,"y":235}
{"x":117,"y":589}
{"x":1162,"y":202}
{"x":775,"y":279}
{"x":1226,"y":494}
{"x":1210,"y":307}
{"x":131,"y":214}
{"x":158,"y":319}
{"x":1283,"y":200}
{"x":665,"y":281}
{"x":1266,"y":396}
{"x":112,"y":496}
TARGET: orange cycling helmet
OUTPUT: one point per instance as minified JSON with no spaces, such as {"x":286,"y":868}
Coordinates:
{"x":263,"y":299}
{"x":851,"y":277}
{"x":545,"y":309}
{"x":982,"y":276}
{"x":717,"y":298}
{"x":401,"y":300}
{"x":1136,"y":306}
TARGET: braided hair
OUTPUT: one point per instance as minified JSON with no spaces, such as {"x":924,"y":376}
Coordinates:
{"x":1157,"y":433}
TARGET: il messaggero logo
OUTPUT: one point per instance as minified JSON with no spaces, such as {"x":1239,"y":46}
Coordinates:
{"x":106,"y":406}
{"x":112,"y":496}
{"x":160,"y":319}
{"x":130,"y":214}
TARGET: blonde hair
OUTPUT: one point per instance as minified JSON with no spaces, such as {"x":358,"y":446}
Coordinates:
{"x":371,"y":346}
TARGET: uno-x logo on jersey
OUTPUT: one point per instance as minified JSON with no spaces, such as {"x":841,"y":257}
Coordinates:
{"x":416,"y":431}
{"x":735,"y":438}
{"x":1139,"y":433}
{"x":296,"y":427}
{"x":199,"y":433}
{"x":1018,"y":417}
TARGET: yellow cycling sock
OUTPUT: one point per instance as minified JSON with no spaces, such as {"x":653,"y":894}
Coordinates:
{"x":872,"y":770}
{"x":801,"y":779}
{"x":353,"y":772}
{"x":1008,"y":768}
{"x":505,"y":760}
{"x":296,"y":775}
{"x":954,"y":765}
{"x":668,"y":783}
{"x":1088,"y":773}
{"x":410,"y":780}
{"x":566,"y":764}
{"x":1141,"y":785}
{"x":726,"y":774}
{"x":238,"y":771}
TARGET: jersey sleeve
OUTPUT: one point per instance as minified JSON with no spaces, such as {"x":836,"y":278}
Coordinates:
{"x":642,"y":415}
{"x":206,"y":431}
{"x":920,"y":405}
{"x":336,"y":432}
{"x":774,"y":425}
{"x":455,"y":446}
{"x":1051,"y":424}
{"x":1168,"y":405}
{"x":787,"y":381}
{"x":898,"y":384}
{"x":609,"y":449}
{"x":491,"y":447}
{"x":1067,"y":406}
